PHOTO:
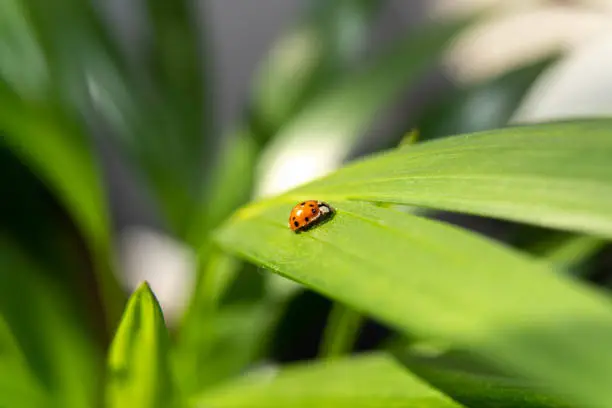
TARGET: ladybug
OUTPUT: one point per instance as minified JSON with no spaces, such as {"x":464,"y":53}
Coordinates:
{"x":308,"y":214}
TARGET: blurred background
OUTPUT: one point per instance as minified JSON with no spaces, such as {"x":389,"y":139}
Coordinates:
{"x":186,"y":110}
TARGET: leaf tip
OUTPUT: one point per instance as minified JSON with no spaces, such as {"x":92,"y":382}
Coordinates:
{"x":410,"y":137}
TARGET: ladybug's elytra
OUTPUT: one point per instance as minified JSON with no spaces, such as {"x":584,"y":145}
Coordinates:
{"x":308,"y":214}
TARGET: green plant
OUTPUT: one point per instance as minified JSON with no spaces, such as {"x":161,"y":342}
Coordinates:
{"x":510,"y":323}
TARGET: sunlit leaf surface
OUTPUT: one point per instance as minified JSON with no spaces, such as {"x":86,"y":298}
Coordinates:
{"x":437,"y":281}
{"x":364,"y":381}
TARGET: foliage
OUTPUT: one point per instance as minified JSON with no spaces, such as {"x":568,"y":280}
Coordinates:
{"x":531,"y":332}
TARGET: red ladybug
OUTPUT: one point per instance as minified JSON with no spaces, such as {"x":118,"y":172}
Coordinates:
{"x":308,"y":214}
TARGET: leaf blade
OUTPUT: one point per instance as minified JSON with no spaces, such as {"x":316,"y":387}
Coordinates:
{"x":49,"y":139}
{"x":455,"y":287}
{"x":139,"y":372}
{"x":58,"y":352}
{"x":555,"y":175}
{"x":364,"y":381}
{"x":478,"y":389}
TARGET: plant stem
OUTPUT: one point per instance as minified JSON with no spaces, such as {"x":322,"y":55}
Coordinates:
{"x":342,"y":329}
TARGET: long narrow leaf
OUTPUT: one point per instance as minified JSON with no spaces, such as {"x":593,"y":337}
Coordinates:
{"x":173,"y":139}
{"x":554,"y":175}
{"x":365,"y":381}
{"x":437,"y":281}
{"x":478,"y":389}
{"x":18,"y":384}
{"x":50,"y":140}
{"x":58,"y":352}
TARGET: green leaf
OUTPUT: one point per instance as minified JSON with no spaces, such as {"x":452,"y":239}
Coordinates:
{"x":227,"y":325}
{"x":51,"y":142}
{"x":80,"y":57}
{"x":308,"y":59}
{"x":62,"y":159}
{"x":152,"y":110}
{"x":208,"y":326}
{"x":478,"y":389}
{"x":175,"y":67}
{"x":554,"y":175}
{"x":56,"y":351}
{"x":229,"y":186}
{"x":366,"y":381}
{"x":174,"y":125}
{"x":18,"y":384}
{"x":567,"y":250}
{"x":437,"y":281}
{"x":229,"y":340}
{"x":341,"y":331}
{"x":138,"y":368}
{"x":22,"y":64}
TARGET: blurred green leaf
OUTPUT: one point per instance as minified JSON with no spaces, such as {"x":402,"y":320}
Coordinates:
{"x":573,"y":250}
{"x":58,"y":351}
{"x":22,"y":62}
{"x":63,"y":160}
{"x":223,"y":332}
{"x":410,"y":137}
{"x":567,"y":250}
{"x":308,"y":59}
{"x":18,"y":385}
{"x":154,"y":111}
{"x":50,"y":142}
{"x":341,"y":331}
{"x":207,"y":326}
{"x":138,"y":369}
{"x":175,"y":68}
{"x":79,"y":53}
{"x":229,"y":186}
{"x":230,"y":339}
{"x":477,"y":389}
{"x":482,"y":106}
{"x":173,"y":141}
{"x":364,"y":381}
{"x":555,"y":175}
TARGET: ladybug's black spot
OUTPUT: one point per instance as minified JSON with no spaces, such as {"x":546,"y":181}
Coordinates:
{"x":306,"y":219}
{"x":297,"y":224}
{"x":303,"y":203}
{"x":314,"y":211}
{"x":293,"y":218}
{"x":311,"y":205}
